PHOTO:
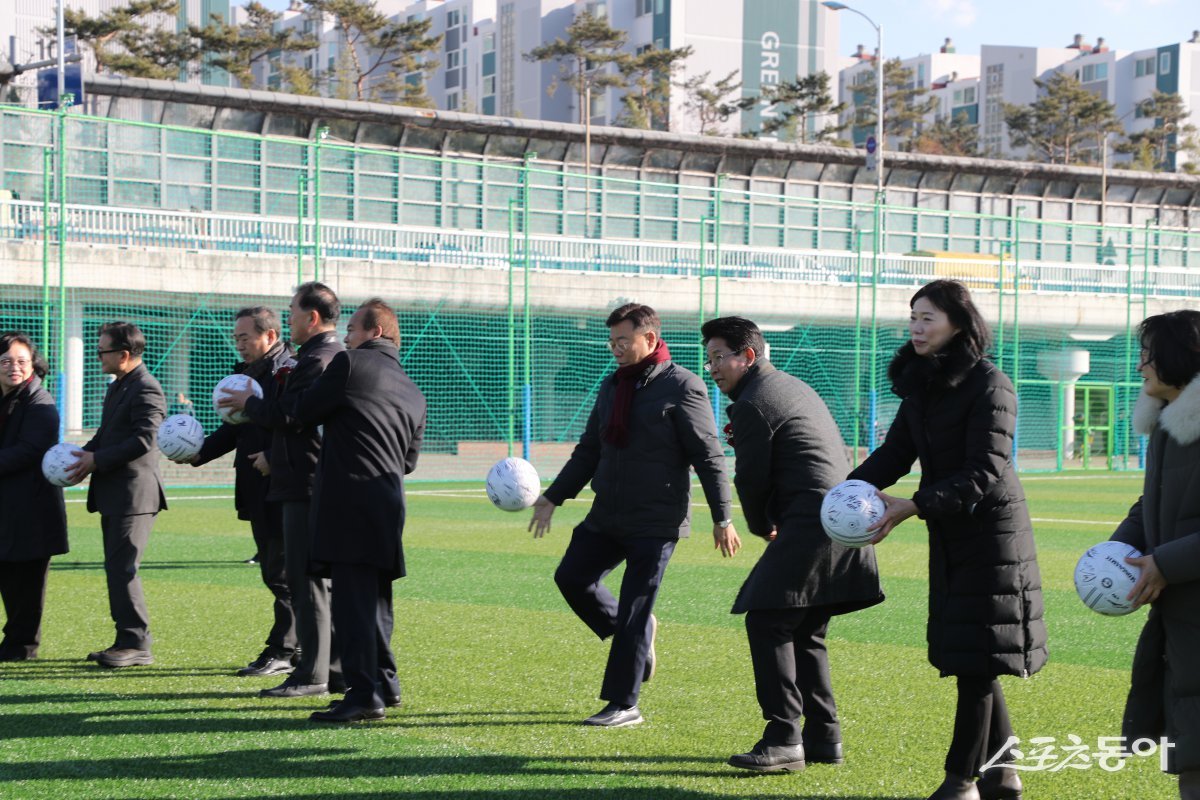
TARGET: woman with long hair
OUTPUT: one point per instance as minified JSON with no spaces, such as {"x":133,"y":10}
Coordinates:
{"x":1164,"y":524}
{"x":33,"y":526}
{"x":957,"y":417}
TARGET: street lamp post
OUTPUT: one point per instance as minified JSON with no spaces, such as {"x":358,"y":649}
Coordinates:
{"x":834,"y":6}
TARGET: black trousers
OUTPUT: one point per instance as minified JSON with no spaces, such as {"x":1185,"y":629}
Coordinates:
{"x":362,"y":614}
{"x":23,"y":589}
{"x":267,"y":527}
{"x":591,"y":556}
{"x":791,"y":675}
{"x":981,"y":725}
{"x":125,"y":540}
{"x":310,"y":599}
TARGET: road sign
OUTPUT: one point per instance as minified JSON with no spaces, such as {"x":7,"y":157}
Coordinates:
{"x":871,"y":144}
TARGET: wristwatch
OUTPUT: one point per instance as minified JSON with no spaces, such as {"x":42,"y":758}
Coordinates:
{"x":725,"y":523}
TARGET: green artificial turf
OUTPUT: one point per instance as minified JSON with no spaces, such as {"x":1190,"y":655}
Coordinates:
{"x":497,"y":673}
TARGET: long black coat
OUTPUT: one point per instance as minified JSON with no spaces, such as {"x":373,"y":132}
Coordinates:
{"x":644,"y":489}
{"x":249,"y":485}
{"x":1165,"y":523}
{"x":374,"y":418}
{"x":957,"y":416}
{"x":789,"y":454}
{"x":126,"y":480}
{"x":295,"y":446}
{"x":33,"y":524}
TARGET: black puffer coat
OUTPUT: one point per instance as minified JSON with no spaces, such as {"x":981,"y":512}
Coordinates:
{"x":957,"y":416}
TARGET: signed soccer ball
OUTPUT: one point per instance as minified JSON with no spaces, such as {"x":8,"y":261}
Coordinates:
{"x":236,"y":382}
{"x":848,"y":510}
{"x":57,"y":461}
{"x":513,"y":484}
{"x":180,"y":437}
{"x":1103,"y":579}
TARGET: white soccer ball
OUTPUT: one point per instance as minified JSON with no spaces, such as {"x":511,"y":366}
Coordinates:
{"x":57,"y":461}
{"x":1103,"y":579}
{"x":513,"y":484}
{"x":236,"y":382}
{"x":180,"y":437}
{"x":848,"y":510}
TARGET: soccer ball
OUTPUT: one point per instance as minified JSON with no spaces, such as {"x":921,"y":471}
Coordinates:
{"x":513,"y":484}
{"x":236,"y":382}
{"x":848,"y":510}
{"x":57,"y":461}
{"x":1103,"y":579}
{"x":180,"y":437}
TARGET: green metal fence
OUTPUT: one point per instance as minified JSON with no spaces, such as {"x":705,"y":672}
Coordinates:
{"x":504,"y":267}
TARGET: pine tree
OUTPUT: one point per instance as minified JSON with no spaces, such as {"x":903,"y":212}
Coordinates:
{"x":648,"y":76}
{"x":1065,"y":125}
{"x":792,"y":104}
{"x":1156,"y":148}
{"x":237,"y":48}
{"x":383,"y":54}
{"x":946,"y":137}
{"x":125,"y":40}
{"x":905,"y":105}
{"x":710,"y":103}
{"x":584,"y":58}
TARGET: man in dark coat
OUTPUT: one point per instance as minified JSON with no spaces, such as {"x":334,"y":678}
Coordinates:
{"x":652,"y":421}
{"x":374,"y":418}
{"x":33,"y":526}
{"x":122,"y":458}
{"x":256,"y":336}
{"x":312,"y":321}
{"x":789,"y":454}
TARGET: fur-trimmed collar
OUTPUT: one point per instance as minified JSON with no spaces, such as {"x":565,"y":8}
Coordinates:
{"x":910,"y":372}
{"x":1180,"y":418}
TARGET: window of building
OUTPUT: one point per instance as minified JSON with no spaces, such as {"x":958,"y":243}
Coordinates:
{"x":1164,"y":63}
{"x":489,"y":84}
{"x":598,"y":9}
{"x":452,"y":18}
{"x":645,"y":7}
{"x":920,"y":75}
{"x":489,"y":43}
{"x":453,"y":59}
{"x":452,"y":101}
{"x":1144,"y":66}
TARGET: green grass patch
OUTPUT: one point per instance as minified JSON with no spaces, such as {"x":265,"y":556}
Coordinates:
{"x":497,"y":673}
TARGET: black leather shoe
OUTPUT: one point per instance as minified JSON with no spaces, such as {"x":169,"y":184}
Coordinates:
{"x":823,"y":753}
{"x":269,"y":662}
{"x":95,"y":654}
{"x":345,"y":712}
{"x":290,"y":689}
{"x":14,"y":652}
{"x":651,"y":656}
{"x":615,"y":716}
{"x":771,"y":758}
{"x":337,"y":684}
{"x":956,"y":787}
{"x":999,"y":783}
{"x":388,"y":702}
{"x":115,"y":658}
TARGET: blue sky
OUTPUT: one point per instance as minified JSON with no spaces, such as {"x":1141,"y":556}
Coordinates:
{"x":911,"y":27}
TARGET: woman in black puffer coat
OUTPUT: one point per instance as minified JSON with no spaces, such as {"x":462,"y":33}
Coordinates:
{"x":957,"y":416}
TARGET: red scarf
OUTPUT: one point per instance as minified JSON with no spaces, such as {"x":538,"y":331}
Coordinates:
{"x":627,"y":378}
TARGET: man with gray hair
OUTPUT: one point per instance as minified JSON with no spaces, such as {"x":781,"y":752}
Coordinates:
{"x":257,"y":339}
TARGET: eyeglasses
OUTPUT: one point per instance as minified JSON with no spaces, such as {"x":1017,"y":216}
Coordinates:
{"x":715,"y":361}
{"x":21,"y":363}
{"x":619,"y":345}
{"x":102,"y":352}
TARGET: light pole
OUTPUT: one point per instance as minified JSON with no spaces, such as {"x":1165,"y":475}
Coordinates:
{"x":834,"y":6}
